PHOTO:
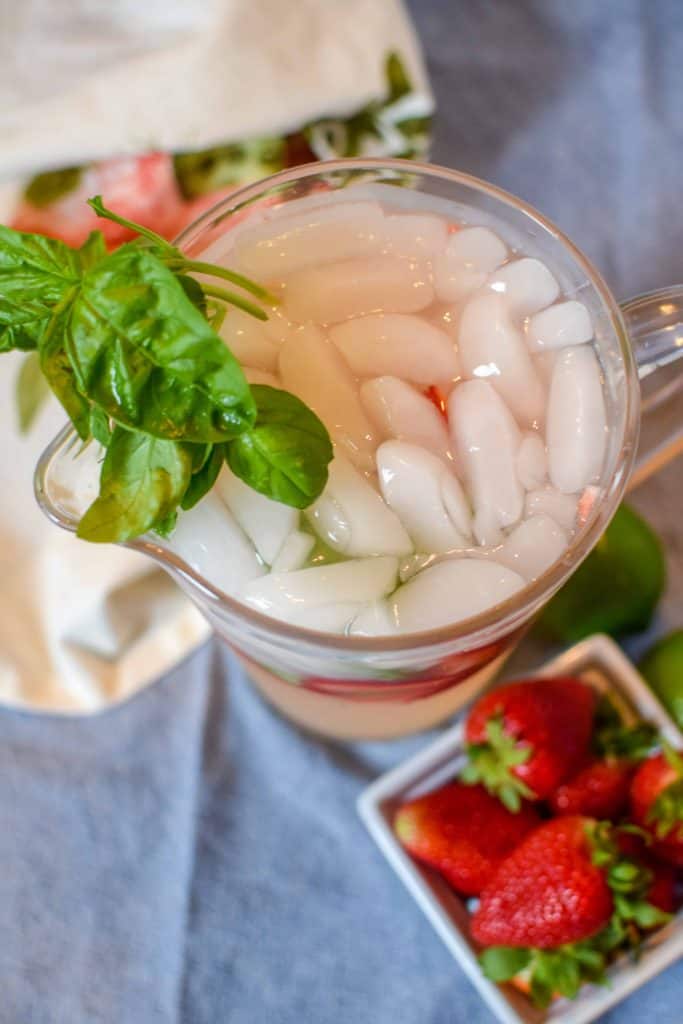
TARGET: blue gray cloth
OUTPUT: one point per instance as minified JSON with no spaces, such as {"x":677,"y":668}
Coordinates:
{"x":190,"y":858}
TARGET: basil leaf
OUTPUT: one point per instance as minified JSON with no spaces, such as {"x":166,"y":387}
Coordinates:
{"x":35,"y":274}
{"x":206,"y":171}
{"x":49,"y":186}
{"x":203,"y":479}
{"x":165,"y":527}
{"x":143,"y":353}
{"x":100,"y":427}
{"x":31,"y":390}
{"x":285,"y":454}
{"x":141,"y":483}
{"x":93,"y":249}
{"x":194,"y":292}
{"x":58,"y":371}
{"x":201,"y":453}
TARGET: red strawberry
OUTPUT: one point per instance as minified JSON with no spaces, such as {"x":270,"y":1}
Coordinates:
{"x":525,"y":738}
{"x":548,"y":892}
{"x":657,"y":803}
{"x":662,"y":886}
{"x":463,"y":832}
{"x":598,"y":790}
{"x":559,"y":906}
{"x":141,"y":188}
{"x":662,"y":890}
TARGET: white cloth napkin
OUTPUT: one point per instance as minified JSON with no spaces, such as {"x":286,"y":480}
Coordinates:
{"x":84,"y":80}
{"x":82,"y":627}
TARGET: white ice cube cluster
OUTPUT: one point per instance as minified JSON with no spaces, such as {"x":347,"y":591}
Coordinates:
{"x":466,"y":406}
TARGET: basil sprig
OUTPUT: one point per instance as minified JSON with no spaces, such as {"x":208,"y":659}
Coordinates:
{"x":127,"y":342}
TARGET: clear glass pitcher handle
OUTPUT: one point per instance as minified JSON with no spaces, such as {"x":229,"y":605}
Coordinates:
{"x":655,"y":326}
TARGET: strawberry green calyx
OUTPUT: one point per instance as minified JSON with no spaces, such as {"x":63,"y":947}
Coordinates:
{"x":546,"y":973}
{"x":631,"y":743}
{"x":490,"y":764}
{"x":666,"y":813}
{"x":628,"y":879}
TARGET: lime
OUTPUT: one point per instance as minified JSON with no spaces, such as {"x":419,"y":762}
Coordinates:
{"x":617,"y":587}
{"x":662,"y":666}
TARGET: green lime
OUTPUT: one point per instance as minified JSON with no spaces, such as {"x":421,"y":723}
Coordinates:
{"x":662,"y":666}
{"x":616,"y":589}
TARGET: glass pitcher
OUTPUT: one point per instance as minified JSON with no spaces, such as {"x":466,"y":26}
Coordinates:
{"x":382,"y":687}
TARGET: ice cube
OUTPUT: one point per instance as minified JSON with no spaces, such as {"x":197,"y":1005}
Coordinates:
{"x":337,"y":291}
{"x":450,"y":591}
{"x":486,"y":439}
{"x":565,"y":323}
{"x":545,"y":364}
{"x":527,"y":285}
{"x":469,"y":256}
{"x":294,"y":552}
{"x":399,"y":411}
{"x":261,"y":377}
{"x":492,"y":348}
{"x":548,"y":501}
{"x":309,"y":597}
{"x":353,"y":519}
{"x":576,"y":430}
{"x":324,"y":234}
{"x":278,"y":327}
{"x":406,"y":346}
{"x":414,"y":483}
{"x":374,"y":619}
{"x":414,"y":236}
{"x":247,"y":341}
{"x":312,"y":368}
{"x":532,"y":462}
{"x":268,"y":523}
{"x":533,"y":546}
{"x":408,"y":567}
{"x":210,"y":541}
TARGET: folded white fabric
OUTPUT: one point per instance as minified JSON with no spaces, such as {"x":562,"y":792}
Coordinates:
{"x":82,"y":627}
{"x":82,"y":80}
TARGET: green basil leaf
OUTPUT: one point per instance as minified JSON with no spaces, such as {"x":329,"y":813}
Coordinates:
{"x":57,"y":369}
{"x":211,"y":169}
{"x":285,"y":455}
{"x":194,"y":292}
{"x":142,"y":481}
{"x":49,"y":186}
{"x":100,"y":426}
{"x":144,"y":354}
{"x":31,"y":391}
{"x":165,"y":527}
{"x":203,"y":479}
{"x":35,"y":275}
{"x":93,"y":250}
{"x":201,"y":453}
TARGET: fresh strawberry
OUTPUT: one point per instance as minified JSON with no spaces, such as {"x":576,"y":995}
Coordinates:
{"x":526,"y":738}
{"x":635,"y":844}
{"x":657,"y":803}
{"x":463,"y":832}
{"x":141,"y":188}
{"x":662,"y":891}
{"x":598,"y":790}
{"x":559,"y":905}
{"x":547,"y":892}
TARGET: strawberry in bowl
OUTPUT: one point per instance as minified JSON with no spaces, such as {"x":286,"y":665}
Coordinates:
{"x":557,"y":832}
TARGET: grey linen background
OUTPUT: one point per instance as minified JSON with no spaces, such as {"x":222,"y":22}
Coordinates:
{"x":189,"y":857}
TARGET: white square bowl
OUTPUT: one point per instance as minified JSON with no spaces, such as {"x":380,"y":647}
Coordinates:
{"x":600,"y":662}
